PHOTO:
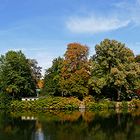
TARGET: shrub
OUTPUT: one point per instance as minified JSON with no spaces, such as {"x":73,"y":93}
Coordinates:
{"x":136,"y":103}
{"x":5,"y":101}
{"x":56,"y":103}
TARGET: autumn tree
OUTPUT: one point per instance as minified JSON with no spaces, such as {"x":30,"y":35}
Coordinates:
{"x":115,"y":73}
{"x":40,"y":84}
{"x":15,"y":75}
{"x":75,"y":71}
{"x":52,"y":78}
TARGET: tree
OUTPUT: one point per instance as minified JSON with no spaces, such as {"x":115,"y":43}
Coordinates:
{"x":75,"y":71}
{"x":137,"y":58}
{"x":15,"y":75}
{"x":36,"y":70}
{"x":52,"y":78}
{"x":115,"y":73}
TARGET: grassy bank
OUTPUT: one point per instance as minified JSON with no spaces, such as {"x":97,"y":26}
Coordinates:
{"x":105,"y":104}
{"x":49,"y":103}
{"x":71,"y":103}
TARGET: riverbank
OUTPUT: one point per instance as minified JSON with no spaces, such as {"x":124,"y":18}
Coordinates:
{"x":71,"y":103}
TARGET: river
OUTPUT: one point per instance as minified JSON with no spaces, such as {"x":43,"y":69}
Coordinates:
{"x":70,"y":125}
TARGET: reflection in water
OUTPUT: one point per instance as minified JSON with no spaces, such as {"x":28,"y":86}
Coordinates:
{"x":39,"y":135}
{"x":28,"y":118}
{"x":57,"y":125}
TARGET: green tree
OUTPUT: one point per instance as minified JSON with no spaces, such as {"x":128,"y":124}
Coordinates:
{"x":36,"y":70}
{"x":115,"y":73}
{"x":52,"y":77}
{"x":75,"y":71}
{"x":137,"y":58}
{"x":16,"y":78}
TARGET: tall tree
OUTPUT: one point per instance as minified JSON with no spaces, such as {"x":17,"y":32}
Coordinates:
{"x":36,"y":70}
{"x":75,"y":71}
{"x":114,"y":70}
{"x":15,"y":75}
{"x":52,"y":78}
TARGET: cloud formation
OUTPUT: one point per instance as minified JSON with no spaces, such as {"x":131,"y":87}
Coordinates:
{"x":121,"y":14}
{"x":95,"y":24}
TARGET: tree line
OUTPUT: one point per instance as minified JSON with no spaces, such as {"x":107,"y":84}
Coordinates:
{"x":113,"y":72}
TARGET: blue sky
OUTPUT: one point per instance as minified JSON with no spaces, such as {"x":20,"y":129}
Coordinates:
{"x":43,"y":28}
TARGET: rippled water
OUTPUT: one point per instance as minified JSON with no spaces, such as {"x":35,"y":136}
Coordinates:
{"x":58,"y":125}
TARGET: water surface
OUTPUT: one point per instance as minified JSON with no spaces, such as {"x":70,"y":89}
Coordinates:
{"x":70,"y":125}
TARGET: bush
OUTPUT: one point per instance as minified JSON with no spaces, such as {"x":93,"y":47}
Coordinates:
{"x":102,"y":105}
{"x":56,"y":103}
{"x":88,"y":99}
{"x":5,"y":101}
{"x":124,"y":105}
{"x":136,"y":103}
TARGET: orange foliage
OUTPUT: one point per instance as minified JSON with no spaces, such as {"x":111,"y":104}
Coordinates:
{"x":75,"y":71}
{"x":40,"y":84}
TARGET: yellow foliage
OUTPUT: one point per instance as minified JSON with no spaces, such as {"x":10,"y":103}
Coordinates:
{"x":40,"y":84}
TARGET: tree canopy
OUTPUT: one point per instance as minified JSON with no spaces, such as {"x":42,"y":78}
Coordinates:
{"x":137,"y":58}
{"x":35,"y":70}
{"x":75,"y":71}
{"x":16,"y":76}
{"x":52,"y":78}
{"x":114,"y":72}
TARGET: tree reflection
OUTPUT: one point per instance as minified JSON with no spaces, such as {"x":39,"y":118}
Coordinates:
{"x":38,"y":135}
{"x":58,"y":125}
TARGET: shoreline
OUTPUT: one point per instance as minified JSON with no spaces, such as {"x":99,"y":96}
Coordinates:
{"x":71,"y":103}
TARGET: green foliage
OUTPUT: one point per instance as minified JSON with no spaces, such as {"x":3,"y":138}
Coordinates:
{"x":137,"y":58}
{"x":136,"y":103}
{"x":51,"y":103}
{"x":52,"y":78}
{"x":35,"y":70}
{"x":114,"y":72}
{"x":102,"y":105}
{"x":124,"y":104}
{"x":111,"y":105}
{"x":5,"y":101}
{"x":88,"y":99}
{"x":15,"y":75}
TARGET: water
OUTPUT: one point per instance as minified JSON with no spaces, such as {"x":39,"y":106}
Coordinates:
{"x":60,"y":125}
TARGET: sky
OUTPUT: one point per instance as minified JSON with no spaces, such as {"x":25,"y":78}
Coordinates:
{"x":43,"y":28}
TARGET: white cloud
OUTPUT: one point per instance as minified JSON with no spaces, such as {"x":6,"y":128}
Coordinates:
{"x":95,"y":24}
{"x":122,"y":14}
